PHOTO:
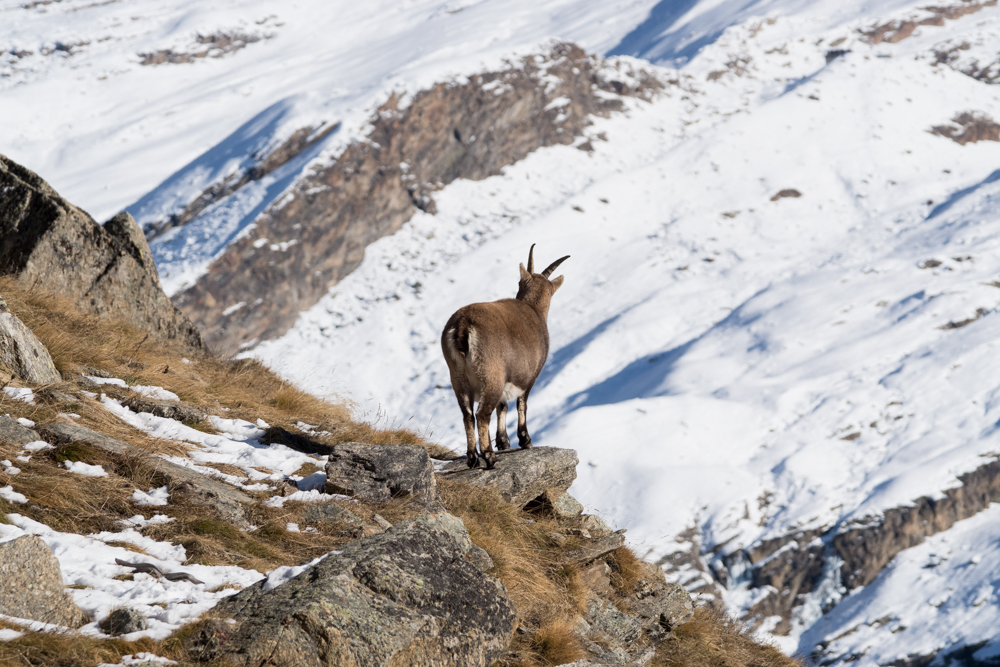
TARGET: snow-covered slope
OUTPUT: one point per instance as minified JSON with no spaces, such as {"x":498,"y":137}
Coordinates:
{"x":108,"y":131}
{"x":723,"y":358}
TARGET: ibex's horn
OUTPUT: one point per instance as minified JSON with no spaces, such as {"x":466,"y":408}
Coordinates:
{"x":553,"y":266}
{"x":531,"y":259}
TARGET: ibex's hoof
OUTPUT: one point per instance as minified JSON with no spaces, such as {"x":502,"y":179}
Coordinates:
{"x":490,"y":459}
{"x":525,"y":444}
{"x":503,"y":446}
{"x":472,"y":460}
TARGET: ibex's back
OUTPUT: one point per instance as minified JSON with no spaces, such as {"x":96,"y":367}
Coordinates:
{"x":508,"y":337}
{"x":495,"y":352}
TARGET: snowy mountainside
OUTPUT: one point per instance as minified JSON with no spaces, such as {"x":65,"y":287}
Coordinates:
{"x":780,"y":310}
{"x":723,"y":357}
{"x":119,"y":103}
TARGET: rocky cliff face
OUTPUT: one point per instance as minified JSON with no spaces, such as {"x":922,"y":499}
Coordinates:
{"x":791,"y":566}
{"x":51,"y":245}
{"x":317,"y":235}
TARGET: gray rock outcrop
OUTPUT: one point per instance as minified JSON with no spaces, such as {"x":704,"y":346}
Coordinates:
{"x":408,"y":596}
{"x":521,"y":475}
{"x":14,"y":432}
{"x":161,"y":408}
{"x":31,"y":584}
{"x":51,"y":245}
{"x":379,"y":473}
{"x":21,"y":353}
{"x":122,"y":622}
{"x":331,"y":512}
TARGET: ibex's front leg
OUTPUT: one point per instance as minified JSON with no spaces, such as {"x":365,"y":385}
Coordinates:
{"x":523,"y":439}
{"x":503,"y":441}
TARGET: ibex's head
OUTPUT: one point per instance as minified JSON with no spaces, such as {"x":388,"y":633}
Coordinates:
{"x":536,"y":288}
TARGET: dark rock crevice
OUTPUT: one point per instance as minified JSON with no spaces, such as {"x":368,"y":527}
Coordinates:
{"x":453,"y":130}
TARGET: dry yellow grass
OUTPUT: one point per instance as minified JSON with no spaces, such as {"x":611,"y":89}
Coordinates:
{"x":242,"y":388}
{"x":627,"y":570}
{"x":714,"y":639}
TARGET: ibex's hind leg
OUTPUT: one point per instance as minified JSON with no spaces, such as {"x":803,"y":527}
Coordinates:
{"x":465,"y":403}
{"x":523,"y":439}
{"x":490,"y":400}
{"x":503,"y":441}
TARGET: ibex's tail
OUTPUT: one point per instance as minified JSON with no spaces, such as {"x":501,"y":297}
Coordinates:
{"x":457,"y":338}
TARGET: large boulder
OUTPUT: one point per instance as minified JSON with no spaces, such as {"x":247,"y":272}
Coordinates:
{"x":521,"y":475}
{"x":53,"y":246}
{"x":21,"y":353}
{"x":31,"y":584}
{"x":409,"y":596}
{"x":379,"y":473}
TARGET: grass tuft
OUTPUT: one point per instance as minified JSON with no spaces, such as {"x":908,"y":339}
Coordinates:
{"x":555,"y":644}
{"x":713,"y":638}
{"x":627,"y":570}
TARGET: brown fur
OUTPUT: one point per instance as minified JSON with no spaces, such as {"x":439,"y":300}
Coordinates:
{"x":495,"y":352}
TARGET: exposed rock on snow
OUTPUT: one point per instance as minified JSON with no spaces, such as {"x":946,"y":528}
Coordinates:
{"x":49,"y":244}
{"x":899,"y":29}
{"x":406,"y":596}
{"x":300,"y":141}
{"x":792,"y":566}
{"x":167,"y":409}
{"x":21,"y":353}
{"x":969,"y":127}
{"x":521,"y":475}
{"x":122,"y":622}
{"x":31,"y":584}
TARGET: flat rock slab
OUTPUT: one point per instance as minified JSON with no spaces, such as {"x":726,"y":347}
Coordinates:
{"x":521,"y":475}
{"x":21,"y":353}
{"x":380,"y":473}
{"x":228,"y":501}
{"x":594,"y":549}
{"x":166,"y":409}
{"x":31,"y":584}
{"x":14,"y":432}
{"x":409,"y":596}
{"x":331,"y":512}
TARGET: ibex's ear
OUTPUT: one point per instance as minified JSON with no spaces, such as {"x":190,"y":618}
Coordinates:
{"x":556,"y":282}
{"x":525,"y":276}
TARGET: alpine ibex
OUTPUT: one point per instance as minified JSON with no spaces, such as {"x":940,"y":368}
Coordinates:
{"x":495,"y":352}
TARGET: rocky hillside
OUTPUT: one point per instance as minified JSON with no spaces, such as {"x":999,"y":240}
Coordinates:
{"x":299,"y":247}
{"x":159,"y":503}
{"x":50,"y":245}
